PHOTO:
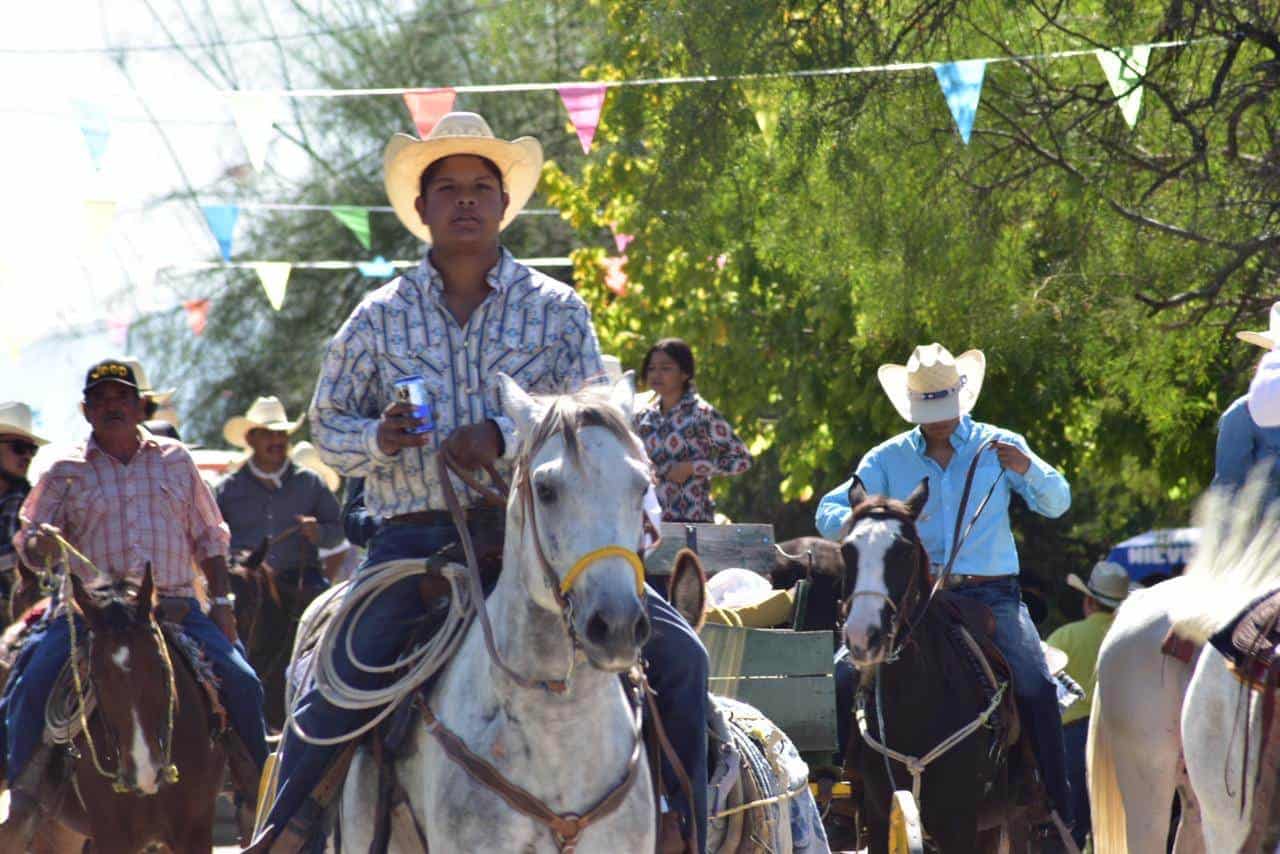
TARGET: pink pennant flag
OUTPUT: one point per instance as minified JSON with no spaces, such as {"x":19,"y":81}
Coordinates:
{"x":615,"y":278}
{"x":721,"y":260}
{"x":584,"y":103}
{"x":622,"y":241}
{"x":118,"y":332}
{"x":429,"y":107}
{"x":197,"y":314}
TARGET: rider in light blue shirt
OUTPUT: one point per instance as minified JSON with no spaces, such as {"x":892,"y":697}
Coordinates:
{"x":1242,"y":442}
{"x":936,"y":392}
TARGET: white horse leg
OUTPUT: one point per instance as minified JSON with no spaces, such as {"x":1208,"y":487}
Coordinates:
{"x":359,"y":804}
{"x":1190,"y":838}
{"x":1213,"y":739}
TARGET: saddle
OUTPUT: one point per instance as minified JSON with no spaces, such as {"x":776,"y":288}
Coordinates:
{"x":1250,"y":642}
{"x":973,"y":633}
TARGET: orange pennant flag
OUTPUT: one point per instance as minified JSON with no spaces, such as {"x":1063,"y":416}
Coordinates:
{"x":197,"y":314}
{"x":429,"y":107}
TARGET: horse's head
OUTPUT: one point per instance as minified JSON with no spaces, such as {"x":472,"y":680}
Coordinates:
{"x":885,"y":564}
{"x":576,"y":514}
{"x":130,"y":679}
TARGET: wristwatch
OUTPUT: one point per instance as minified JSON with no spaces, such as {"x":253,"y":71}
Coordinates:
{"x":229,"y":600}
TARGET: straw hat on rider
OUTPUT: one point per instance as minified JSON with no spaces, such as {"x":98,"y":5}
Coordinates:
{"x":1266,"y":340}
{"x":305,"y":454}
{"x":934,"y":385}
{"x":407,"y":157}
{"x":266,"y":413}
{"x":15,"y":420}
{"x":1108,"y":583}
{"x":144,"y":385}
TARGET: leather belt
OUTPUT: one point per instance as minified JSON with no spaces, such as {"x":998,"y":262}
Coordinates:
{"x":956,"y":580}
{"x":442,"y":518}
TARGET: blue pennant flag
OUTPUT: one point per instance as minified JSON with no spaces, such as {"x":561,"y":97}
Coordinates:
{"x":222,"y":222}
{"x":96,"y":129}
{"x":961,"y":84}
{"x":378,"y":268}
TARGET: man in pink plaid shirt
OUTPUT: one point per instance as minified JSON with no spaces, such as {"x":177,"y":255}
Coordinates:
{"x":125,"y":499}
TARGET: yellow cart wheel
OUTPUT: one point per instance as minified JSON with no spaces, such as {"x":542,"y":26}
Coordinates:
{"x":906,"y":835}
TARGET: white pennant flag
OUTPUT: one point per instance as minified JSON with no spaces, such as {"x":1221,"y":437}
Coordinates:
{"x":274,"y":276}
{"x":254,"y":114}
{"x":1125,"y":67}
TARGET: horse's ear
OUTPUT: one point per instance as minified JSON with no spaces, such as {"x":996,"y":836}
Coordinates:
{"x":623,"y":395}
{"x":918,"y":498}
{"x":84,"y":602}
{"x":688,"y":588}
{"x":517,"y":405}
{"x":146,"y":590}
{"x":857,"y":492}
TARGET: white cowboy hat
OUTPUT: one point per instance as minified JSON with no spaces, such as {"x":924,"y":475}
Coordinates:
{"x":144,"y":385}
{"x":934,"y":385}
{"x":267,"y":413}
{"x":407,"y":157}
{"x":1108,"y":583}
{"x":15,"y":420}
{"x":305,"y":454}
{"x":1266,"y":340}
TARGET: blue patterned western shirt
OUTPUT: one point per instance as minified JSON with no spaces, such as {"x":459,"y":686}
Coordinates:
{"x":531,"y":327}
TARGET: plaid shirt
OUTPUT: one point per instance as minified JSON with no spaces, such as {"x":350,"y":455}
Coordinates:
{"x":10,"y":504}
{"x":155,"y":509}
{"x":530,"y":327}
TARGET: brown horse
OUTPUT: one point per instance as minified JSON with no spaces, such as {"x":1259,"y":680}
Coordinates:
{"x":147,"y":771}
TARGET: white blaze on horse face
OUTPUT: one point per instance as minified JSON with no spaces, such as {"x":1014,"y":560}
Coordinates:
{"x":120,"y":658}
{"x":873,"y":538}
{"x":145,"y":768}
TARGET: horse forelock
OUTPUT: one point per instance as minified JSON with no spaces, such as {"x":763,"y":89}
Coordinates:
{"x":567,"y":415}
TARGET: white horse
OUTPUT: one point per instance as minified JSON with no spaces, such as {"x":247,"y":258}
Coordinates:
{"x":1151,"y":711}
{"x":586,"y":476}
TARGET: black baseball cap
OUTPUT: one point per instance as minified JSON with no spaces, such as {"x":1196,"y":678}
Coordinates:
{"x":110,"y":371}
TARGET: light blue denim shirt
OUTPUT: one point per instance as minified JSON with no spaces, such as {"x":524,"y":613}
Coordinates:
{"x":1241,"y":445}
{"x":896,"y":467}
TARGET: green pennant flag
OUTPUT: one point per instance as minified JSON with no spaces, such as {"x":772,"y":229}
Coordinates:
{"x":356,"y":219}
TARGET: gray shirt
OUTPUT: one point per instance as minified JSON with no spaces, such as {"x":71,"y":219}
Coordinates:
{"x":254,"y":510}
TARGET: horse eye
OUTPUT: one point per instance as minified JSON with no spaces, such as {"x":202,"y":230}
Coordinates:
{"x":546,"y":494}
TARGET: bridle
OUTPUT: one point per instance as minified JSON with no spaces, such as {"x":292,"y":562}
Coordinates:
{"x":897,"y":639}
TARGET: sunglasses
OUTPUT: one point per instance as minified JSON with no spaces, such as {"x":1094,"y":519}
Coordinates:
{"x":21,"y":446}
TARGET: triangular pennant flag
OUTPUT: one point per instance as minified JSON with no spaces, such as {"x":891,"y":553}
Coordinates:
{"x":222,"y":222}
{"x":118,"y":332}
{"x":274,"y":276}
{"x":96,"y":128}
{"x":766,"y":104}
{"x":584,"y":103}
{"x":961,"y":84}
{"x":99,"y":214}
{"x":378,"y":268}
{"x":197,"y":314}
{"x":429,"y":107}
{"x":1125,"y":67}
{"x":622,"y":241}
{"x":356,"y":219}
{"x":615,"y":278}
{"x":255,"y":114}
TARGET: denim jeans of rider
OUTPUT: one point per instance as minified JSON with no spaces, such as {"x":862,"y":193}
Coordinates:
{"x":678,"y":675}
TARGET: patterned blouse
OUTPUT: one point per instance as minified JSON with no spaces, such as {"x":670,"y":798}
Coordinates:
{"x":691,"y":431}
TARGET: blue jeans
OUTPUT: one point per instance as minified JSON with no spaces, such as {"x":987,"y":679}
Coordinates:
{"x":1033,"y":686}
{"x":678,"y":675}
{"x":48,"y":648}
{"x":1075,"y":737}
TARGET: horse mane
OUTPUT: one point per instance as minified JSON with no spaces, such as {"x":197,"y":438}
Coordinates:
{"x":117,"y":603}
{"x":568,"y":414}
{"x":1237,"y":559}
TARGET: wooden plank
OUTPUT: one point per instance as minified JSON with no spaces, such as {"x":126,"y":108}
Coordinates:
{"x":804,"y":707}
{"x":736,"y":651}
{"x":749,"y":546}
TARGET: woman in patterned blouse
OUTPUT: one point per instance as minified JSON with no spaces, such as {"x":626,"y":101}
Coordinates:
{"x":688,"y":441}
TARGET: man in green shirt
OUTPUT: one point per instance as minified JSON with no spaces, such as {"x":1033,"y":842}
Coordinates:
{"x":1107,"y":588}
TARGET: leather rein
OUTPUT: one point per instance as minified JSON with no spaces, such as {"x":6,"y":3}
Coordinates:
{"x":566,"y":828}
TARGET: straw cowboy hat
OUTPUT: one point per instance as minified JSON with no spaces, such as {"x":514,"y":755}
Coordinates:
{"x":305,"y":455}
{"x":267,"y":413}
{"x":1266,"y":340}
{"x":407,"y":157}
{"x":144,"y":385}
{"x":1108,"y":583}
{"x":15,"y":420}
{"x":934,"y":385}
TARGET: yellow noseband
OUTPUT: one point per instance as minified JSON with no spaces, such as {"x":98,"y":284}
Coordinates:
{"x":629,"y":555}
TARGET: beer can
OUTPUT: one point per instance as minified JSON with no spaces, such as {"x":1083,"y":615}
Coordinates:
{"x":413,"y":391}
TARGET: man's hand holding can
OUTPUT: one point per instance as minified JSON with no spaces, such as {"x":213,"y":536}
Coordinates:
{"x":396,"y":429}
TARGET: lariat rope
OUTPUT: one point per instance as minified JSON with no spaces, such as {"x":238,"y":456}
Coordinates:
{"x":168,"y":771}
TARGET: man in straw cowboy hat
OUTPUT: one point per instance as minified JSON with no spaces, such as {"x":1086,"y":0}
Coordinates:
{"x":126,"y":499}
{"x":1107,"y":587}
{"x":1243,"y":441}
{"x":936,"y":392}
{"x":18,"y":446}
{"x":271,"y":497}
{"x":468,"y":312}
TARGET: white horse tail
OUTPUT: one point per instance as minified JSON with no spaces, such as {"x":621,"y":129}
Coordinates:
{"x":1107,"y":807}
{"x":1237,"y":559}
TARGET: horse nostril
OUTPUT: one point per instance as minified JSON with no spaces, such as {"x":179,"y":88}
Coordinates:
{"x":641,"y":629}
{"x":597,"y":630}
